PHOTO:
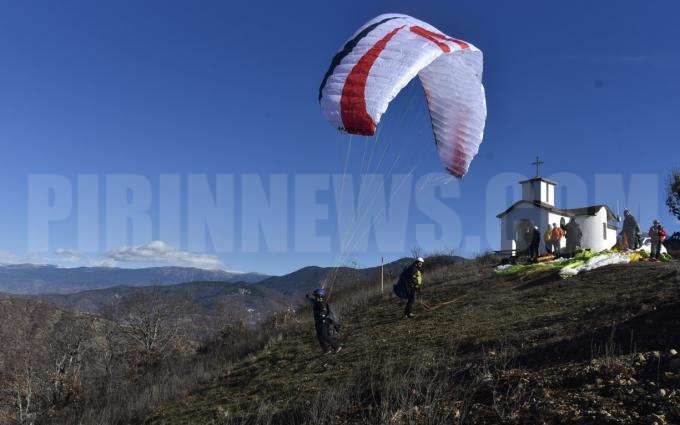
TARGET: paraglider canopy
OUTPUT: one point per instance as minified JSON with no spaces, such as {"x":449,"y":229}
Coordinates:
{"x":382,"y":57}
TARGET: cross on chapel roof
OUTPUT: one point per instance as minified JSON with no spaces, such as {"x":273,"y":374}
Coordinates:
{"x":537,"y":163}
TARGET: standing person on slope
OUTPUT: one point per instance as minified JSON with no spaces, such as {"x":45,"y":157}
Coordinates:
{"x":325,"y":322}
{"x":413,"y":278}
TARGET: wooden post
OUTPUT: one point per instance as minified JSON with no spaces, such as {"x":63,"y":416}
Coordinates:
{"x":382,"y":289}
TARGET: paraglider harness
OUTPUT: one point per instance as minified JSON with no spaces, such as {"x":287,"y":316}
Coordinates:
{"x":402,"y":288}
{"x":323,"y":314}
{"x":399,"y":288}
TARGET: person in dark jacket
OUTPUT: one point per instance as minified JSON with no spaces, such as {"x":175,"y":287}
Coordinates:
{"x":413,"y":278}
{"x":630,"y":231}
{"x":325,"y":322}
{"x":535,"y":242}
{"x":573,"y":236}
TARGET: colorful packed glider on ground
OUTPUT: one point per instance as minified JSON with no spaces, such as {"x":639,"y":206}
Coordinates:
{"x":382,"y":57}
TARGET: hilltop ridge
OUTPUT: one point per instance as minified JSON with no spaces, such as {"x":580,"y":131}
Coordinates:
{"x":595,"y":348}
{"x":31,"y":279}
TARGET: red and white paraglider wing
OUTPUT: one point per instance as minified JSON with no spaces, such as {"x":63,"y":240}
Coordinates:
{"x":382,"y":57}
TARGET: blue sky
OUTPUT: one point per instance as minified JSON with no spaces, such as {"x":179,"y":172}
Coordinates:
{"x":99,"y":96}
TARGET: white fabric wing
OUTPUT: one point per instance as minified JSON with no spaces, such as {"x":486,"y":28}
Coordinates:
{"x":382,"y":57}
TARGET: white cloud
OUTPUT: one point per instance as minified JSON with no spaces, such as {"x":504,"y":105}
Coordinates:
{"x":69,"y":255}
{"x":67,"y":252}
{"x":155,"y":253}
{"x":72,"y":257}
{"x":159,"y":253}
{"x":7,"y":258}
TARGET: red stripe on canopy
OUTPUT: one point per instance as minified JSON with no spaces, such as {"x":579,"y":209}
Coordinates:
{"x":355,"y":118}
{"x":435,"y":37}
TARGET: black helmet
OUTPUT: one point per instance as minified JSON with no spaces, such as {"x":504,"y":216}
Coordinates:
{"x":320,"y":293}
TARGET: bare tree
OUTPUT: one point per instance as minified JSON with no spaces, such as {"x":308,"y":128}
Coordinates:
{"x":65,"y":377}
{"x":23,"y":387}
{"x":673,"y":192}
{"x":149,"y":326}
{"x":44,"y":373}
{"x":22,"y":383}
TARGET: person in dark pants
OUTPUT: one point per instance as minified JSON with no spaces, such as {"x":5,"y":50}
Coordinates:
{"x":557,"y":234}
{"x":535,"y":242}
{"x":325,"y":322}
{"x":414,"y":280}
{"x":631,"y":231}
{"x":574,"y":235}
{"x":657,"y":234}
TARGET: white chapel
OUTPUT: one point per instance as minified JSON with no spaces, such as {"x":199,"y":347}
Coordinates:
{"x":537,"y":208}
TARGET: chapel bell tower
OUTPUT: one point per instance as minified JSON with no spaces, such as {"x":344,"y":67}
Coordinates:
{"x":538,"y":190}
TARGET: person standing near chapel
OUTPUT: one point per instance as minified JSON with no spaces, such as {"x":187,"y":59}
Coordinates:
{"x":547,"y":240}
{"x":631,"y":231}
{"x":557,"y":235}
{"x":535,"y":242}
{"x":573,"y":235}
{"x":658,"y":234}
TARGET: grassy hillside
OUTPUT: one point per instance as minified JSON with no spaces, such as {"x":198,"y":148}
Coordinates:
{"x":302,"y":281}
{"x":596,"y":348}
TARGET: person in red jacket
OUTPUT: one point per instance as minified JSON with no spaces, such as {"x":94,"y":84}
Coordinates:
{"x":557,"y":235}
{"x":657,"y":233}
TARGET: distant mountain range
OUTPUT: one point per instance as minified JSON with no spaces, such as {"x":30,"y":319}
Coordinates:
{"x":250,"y":297}
{"x":31,"y":279}
{"x":209,"y":299}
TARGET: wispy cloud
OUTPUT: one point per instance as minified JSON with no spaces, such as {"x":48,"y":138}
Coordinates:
{"x":159,"y":253}
{"x":155,"y":253}
{"x":75,"y":258}
{"x":9,"y":258}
